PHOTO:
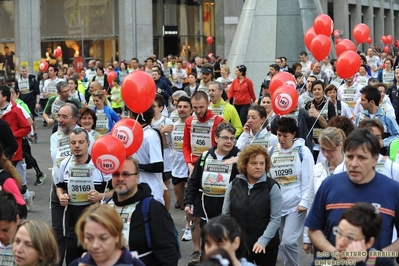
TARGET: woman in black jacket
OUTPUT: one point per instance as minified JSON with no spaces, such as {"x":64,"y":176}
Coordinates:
{"x":209,"y":180}
{"x":254,"y":200}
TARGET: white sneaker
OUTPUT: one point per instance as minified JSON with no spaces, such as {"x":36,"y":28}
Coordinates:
{"x":29,"y":200}
{"x":187,"y":235}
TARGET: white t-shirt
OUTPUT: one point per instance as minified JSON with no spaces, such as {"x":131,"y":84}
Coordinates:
{"x":167,"y":163}
{"x":150,"y":152}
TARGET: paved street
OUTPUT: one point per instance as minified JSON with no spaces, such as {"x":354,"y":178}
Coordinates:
{"x":41,"y":211}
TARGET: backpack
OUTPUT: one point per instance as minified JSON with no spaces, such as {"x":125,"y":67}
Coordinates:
{"x":145,"y":210}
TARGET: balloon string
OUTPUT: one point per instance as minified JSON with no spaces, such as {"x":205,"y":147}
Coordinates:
{"x":257,"y":133}
{"x":142,"y":116}
{"x":358,"y":47}
{"x":317,"y":118}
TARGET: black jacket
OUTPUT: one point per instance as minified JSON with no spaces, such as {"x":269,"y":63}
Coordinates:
{"x":213,"y":205}
{"x":33,"y":86}
{"x":163,"y":239}
{"x":7,"y":140}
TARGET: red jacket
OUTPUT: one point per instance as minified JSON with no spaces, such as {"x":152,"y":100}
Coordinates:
{"x":188,"y":156}
{"x":243,"y":93}
{"x":19,"y":126}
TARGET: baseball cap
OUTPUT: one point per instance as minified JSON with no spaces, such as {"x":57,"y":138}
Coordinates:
{"x":207,"y":69}
{"x":265,"y":84}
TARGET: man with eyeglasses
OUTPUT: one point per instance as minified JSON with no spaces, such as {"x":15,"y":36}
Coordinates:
{"x":54,"y":103}
{"x":131,"y":200}
{"x":355,"y":234}
{"x":60,"y":149}
{"x":80,"y":184}
{"x":359,"y":183}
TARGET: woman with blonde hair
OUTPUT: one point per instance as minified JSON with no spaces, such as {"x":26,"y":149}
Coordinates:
{"x":35,"y":244}
{"x":224,"y":78}
{"x":106,"y":117}
{"x":99,"y":231}
{"x":11,"y":182}
{"x":331,"y":142}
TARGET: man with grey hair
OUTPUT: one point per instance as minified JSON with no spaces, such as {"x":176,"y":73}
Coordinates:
{"x":68,"y":115}
{"x":220,"y":107}
{"x":54,"y":103}
{"x":30,"y":94}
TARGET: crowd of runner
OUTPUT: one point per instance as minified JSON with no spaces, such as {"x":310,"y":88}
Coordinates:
{"x":249,"y":181}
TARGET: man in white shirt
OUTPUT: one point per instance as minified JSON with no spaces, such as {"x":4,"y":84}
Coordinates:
{"x":374,"y":62}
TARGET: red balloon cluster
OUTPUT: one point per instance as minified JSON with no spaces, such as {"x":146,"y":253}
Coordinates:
{"x":138,"y":91}
{"x":57,"y":52}
{"x":209,"y":40}
{"x":317,"y":39}
{"x":396,"y":43}
{"x":280,"y":79}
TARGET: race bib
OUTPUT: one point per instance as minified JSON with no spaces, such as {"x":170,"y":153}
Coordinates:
{"x":177,"y":136}
{"x":52,"y":89}
{"x":262,"y":141}
{"x":201,"y":134}
{"x":102,"y":123}
{"x":55,"y":107}
{"x":349,"y":97}
{"x":283,"y":170}
{"x":24,"y":86}
{"x":126,"y":215}
{"x":63,"y":149}
{"x":387,"y":78}
{"x":80,"y":182}
{"x":216,"y":177}
{"x":217,"y":110}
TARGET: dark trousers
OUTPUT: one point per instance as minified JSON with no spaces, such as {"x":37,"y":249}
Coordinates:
{"x":57,"y":221}
{"x":242,"y":111}
{"x":73,"y":250}
{"x":29,"y":159}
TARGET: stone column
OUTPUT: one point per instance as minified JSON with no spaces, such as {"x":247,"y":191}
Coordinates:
{"x":135,"y":29}
{"x":27,"y":32}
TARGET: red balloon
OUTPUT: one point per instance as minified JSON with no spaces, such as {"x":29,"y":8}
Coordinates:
{"x":128,"y":131}
{"x":387,"y":49}
{"x":348,"y":64}
{"x":338,"y":40}
{"x":110,"y":77}
{"x":308,"y":37}
{"x":396,"y":43}
{"x":280,"y":79}
{"x":389,"y":39}
{"x":344,"y":45}
{"x":43,"y":66}
{"x":138,"y":91}
{"x":361,"y":32}
{"x":285,"y":100}
{"x":383,"y":65}
{"x":108,"y":154}
{"x":384,"y":39}
{"x":336,"y":33}
{"x":57,"y":52}
{"x":320,"y":47}
{"x":323,"y":24}
{"x":369,"y":40}
{"x":209,"y":40}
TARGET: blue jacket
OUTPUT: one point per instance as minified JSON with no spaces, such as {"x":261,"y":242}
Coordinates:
{"x":112,"y":116}
{"x":390,"y":125}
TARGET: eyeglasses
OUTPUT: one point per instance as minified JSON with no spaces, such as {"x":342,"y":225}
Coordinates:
{"x":348,"y":238}
{"x":225,"y":138}
{"x":322,"y":150}
{"x":124,"y":174}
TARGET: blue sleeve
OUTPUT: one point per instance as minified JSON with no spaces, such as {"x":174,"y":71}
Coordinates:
{"x":380,"y":75}
{"x":393,"y":129}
